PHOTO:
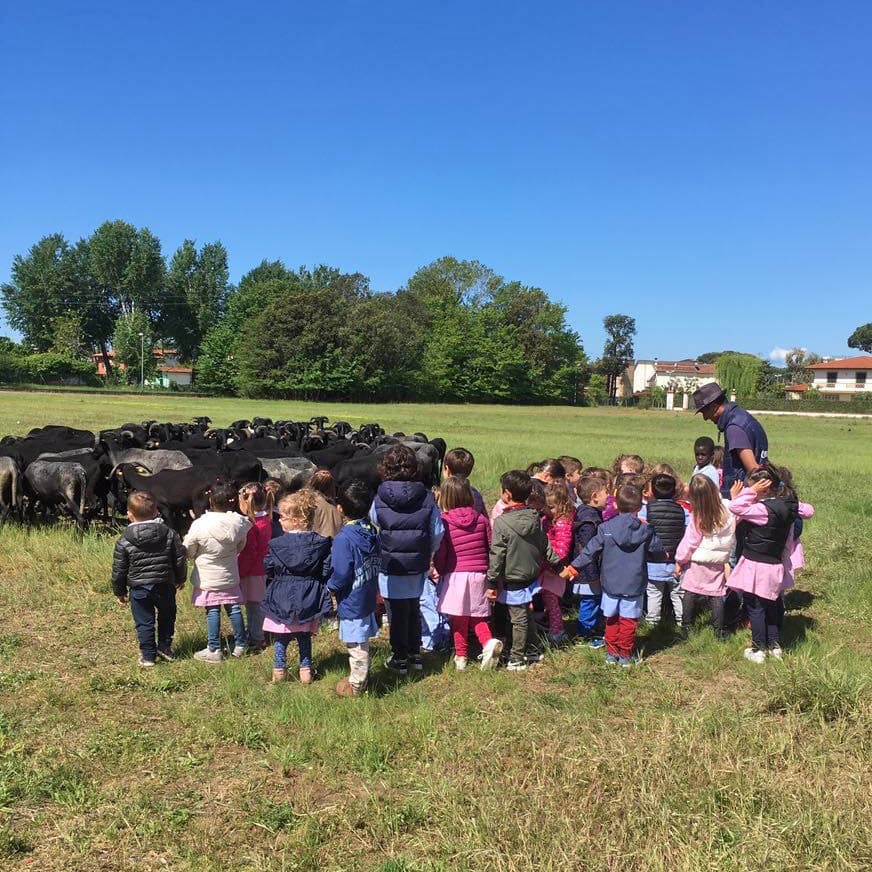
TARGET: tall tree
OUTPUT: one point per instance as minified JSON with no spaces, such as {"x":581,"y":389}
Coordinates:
{"x":740,"y":373}
{"x":617,"y":351}
{"x":862,"y":338}
{"x":133,"y":344}
{"x":796,"y":365}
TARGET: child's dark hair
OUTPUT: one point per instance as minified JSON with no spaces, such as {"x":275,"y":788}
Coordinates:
{"x":355,"y":499}
{"x":629,"y":499}
{"x":570,"y":464}
{"x":223,"y":498}
{"x":589,"y":486}
{"x":399,"y":464}
{"x":780,"y":478}
{"x":550,"y":467}
{"x":663,"y":486}
{"x":518,"y":483}
{"x":635,"y":479}
{"x":604,"y":475}
{"x":706,"y":443}
{"x":459,"y":461}
{"x":142,"y":505}
{"x":536,"y":500}
{"x":322,"y":481}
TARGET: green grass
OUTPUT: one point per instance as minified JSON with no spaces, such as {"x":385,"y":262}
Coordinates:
{"x":696,"y":760}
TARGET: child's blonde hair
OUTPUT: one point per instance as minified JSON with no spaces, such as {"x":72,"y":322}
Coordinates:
{"x":299,"y":508}
{"x":632,"y":462}
{"x":254,"y":498}
{"x":558,"y":501}
{"x":455,"y":492}
{"x":709,"y":512}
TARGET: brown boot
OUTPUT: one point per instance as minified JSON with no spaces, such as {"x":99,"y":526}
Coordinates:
{"x":345,"y":688}
{"x":306,"y":675}
{"x":279,"y":675}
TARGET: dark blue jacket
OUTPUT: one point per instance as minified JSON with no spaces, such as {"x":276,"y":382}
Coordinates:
{"x":584,"y":527}
{"x":297,"y":567}
{"x":402,"y":511}
{"x":355,"y":560}
{"x":624,"y":545}
{"x":733,"y":470}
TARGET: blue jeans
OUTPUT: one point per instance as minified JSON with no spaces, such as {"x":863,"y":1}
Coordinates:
{"x":280,"y":649}
{"x":213,"y":625}
{"x":146,"y":601}
{"x":435,"y":631}
{"x":589,"y":614}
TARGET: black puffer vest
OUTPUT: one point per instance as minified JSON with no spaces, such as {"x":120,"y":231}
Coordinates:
{"x":668,"y":520}
{"x":765,"y":543}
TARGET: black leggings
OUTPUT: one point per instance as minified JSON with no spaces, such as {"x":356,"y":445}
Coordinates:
{"x":766,"y":617}
{"x":405,"y":628}
{"x":694,"y":601}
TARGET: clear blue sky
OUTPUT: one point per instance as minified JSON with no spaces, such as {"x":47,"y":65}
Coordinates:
{"x":704,"y":167}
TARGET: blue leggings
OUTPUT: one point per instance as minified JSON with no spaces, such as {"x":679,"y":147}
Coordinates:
{"x":280,"y":649}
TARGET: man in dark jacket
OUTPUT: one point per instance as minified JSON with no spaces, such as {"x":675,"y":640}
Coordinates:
{"x":148,"y":567}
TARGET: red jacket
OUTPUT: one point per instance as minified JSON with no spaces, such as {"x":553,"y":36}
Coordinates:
{"x":256,"y":547}
{"x":466,"y":544}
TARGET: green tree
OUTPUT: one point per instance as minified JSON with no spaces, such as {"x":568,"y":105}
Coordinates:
{"x":796,"y":365}
{"x":617,"y":351}
{"x":68,"y":337}
{"x":862,"y":338}
{"x":740,"y":373}
{"x":133,"y":344}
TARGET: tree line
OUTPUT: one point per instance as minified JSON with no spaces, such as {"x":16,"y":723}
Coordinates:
{"x":456,"y":331}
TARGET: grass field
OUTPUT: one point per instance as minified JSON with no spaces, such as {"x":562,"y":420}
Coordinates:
{"x":695,"y":760}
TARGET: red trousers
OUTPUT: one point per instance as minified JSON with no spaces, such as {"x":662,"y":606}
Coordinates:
{"x":460,"y":627}
{"x":621,"y":636}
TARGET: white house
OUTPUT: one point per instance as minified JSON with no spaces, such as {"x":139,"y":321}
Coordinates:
{"x":679,"y":375}
{"x":843,"y":379}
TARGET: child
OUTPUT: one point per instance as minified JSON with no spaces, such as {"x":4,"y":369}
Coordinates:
{"x":559,"y":515}
{"x":718,"y":463}
{"x":769,"y":508}
{"x":276,"y":490}
{"x":409,"y":530}
{"x":149,"y":561}
{"x":572,"y":467}
{"x":256,"y":503}
{"x":354,"y":583}
{"x":628,"y":463}
{"x":704,"y":453}
{"x":669,"y":521}
{"x":547,"y":471}
{"x":462,"y":561}
{"x":297,"y":567}
{"x":459,"y":462}
{"x":704,"y":553}
{"x":588,"y":516}
{"x":625,"y":545}
{"x":327,"y":521}
{"x":518,"y":548}
{"x":213,"y":542}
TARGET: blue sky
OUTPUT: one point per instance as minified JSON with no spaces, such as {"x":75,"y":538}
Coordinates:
{"x":704,"y":167}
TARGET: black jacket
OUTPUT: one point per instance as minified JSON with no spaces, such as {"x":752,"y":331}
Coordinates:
{"x":669,"y":522}
{"x":148,"y":553}
{"x":765,"y":543}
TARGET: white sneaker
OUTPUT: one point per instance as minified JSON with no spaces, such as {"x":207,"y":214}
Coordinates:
{"x":755,"y":656}
{"x":238,"y":651}
{"x":776,"y":652}
{"x":208,"y":656}
{"x":460,"y":663}
{"x":491,"y":654}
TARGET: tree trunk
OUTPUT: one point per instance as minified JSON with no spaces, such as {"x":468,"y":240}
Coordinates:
{"x":107,"y":364}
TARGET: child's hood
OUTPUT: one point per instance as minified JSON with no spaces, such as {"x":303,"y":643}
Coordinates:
{"x":223,"y":524}
{"x":463,"y":517}
{"x":627,"y":532}
{"x":403,"y":496}
{"x":298,"y":553}
{"x":361,"y":536}
{"x":524,"y":522}
{"x":151,"y":536}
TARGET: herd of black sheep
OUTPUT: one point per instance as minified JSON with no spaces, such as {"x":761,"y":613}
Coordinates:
{"x":58,"y":471}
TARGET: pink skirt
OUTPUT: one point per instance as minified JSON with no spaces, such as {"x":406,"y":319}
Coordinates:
{"x":463,"y":595}
{"x":706,"y":579}
{"x":253,"y":588}
{"x":270,"y":625}
{"x":553,"y":583}
{"x":229,"y":597}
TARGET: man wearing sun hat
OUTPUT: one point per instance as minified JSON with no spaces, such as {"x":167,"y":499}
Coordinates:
{"x":745,"y":442}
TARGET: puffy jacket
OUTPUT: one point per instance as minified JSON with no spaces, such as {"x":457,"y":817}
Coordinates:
{"x":559,"y":535}
{"x":518,"y":548}
{"x":256,"y":546}
{"x":765,"y":543}
{"x":624,"y":545}
{"x":717,"y":547}
{"x":402,"y":511}
{"x":355,"y":562}
{"x":732,"y":469}
{"x":669,"y":521}
{"x":584,"y":527}
{"x":148,"y":552}
{"x":466,"y":543}
{"x":297,"y":568}
{"x":213,"y":542}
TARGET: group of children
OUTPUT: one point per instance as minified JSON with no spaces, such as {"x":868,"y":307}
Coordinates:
{"x":617,"y":543}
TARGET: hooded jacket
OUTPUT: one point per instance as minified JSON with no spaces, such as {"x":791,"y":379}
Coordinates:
{"x":256,"y":546}
{"x":148,"y":552}
{"x":355,"y":562}
{"x":402,"y":511}
{"x":466,"y":543}
{"x":213,"y":542}
{"x":518,"y":548}
{"x":624,"y":546}
{"x":297,"y":567}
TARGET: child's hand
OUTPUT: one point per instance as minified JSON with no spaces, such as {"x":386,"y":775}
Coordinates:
{"x":122,"y":600}
{"x":759,"y":486}
{"x":491,"y":594}
{"x":736,"y":488}
{"x":677,"y":572}
{"x":569,"y":574}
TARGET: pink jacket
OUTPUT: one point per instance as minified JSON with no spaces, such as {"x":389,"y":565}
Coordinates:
{"x":559,"y":535}
{"x":256,"y":547}
{"x":466,"y":543}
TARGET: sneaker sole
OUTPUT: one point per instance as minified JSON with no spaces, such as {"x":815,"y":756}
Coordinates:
{"x":489,"y":661}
